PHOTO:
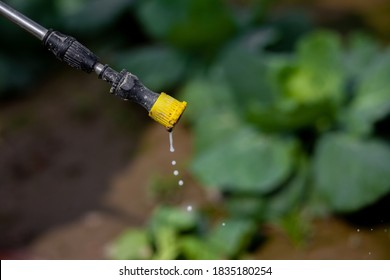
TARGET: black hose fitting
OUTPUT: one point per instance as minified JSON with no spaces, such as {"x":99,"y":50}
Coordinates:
{"x":128,"y":87}
{"x":163,"y":108}
{"x":69,"y":50}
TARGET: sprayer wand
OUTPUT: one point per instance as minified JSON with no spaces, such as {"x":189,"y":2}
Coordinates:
{"x":163,"y":108}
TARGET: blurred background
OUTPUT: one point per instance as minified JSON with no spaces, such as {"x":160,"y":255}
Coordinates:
{"x":284,"y":148}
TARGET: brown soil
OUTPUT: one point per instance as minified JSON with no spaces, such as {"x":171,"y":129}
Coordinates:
{"x":331,"y":239}
{"x":77,"y":168}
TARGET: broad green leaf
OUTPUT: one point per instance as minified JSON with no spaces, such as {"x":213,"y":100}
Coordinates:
{"x":133,"y":244}
{"x":200,"y":25}
{"x":175,"y":218}
{"x":158,"y":68}
{"x":207,"y":96}
{"x":159,"y":17}
{"x":290,"y":197}
{"x":194,"y":248}
{"x":166,"y":243}
{"x":245,"y":161}
{"x":361,"y":52}
{"x":351,"y":173}
{"x":246,"y":206}
{"x":247,"y":74}
{"x":372,"y":100}
{"x":214,"y":126}
{"x":288,"y":116}
{"x":231,"y":237}
{"x":274,"y":206}
{"x":318,"y":73}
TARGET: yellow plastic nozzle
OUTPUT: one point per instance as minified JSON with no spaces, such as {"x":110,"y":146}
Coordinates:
{"x":167,"y":110}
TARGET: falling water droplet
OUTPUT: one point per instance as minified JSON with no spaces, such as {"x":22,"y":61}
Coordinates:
{"x":372,"y":229}
{"x":189,"y":208}
{"x":171,"y":148}
{"x":173,"y":162}
{"x":223,"y":224}
{"x":358,"y":230}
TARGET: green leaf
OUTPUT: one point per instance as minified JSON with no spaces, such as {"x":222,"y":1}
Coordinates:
{"x":275,"y":206}
{"x":247,"y":207}
{"x":186,"y":23}
{"x":231,"y":237}
{"x":213,"y":127}
{"x":362,"y":51}
{"x":166,"y":243}
{"x":196,"y":249}
{"x":207,"y":96}
{"x":351,"y":173}
{"x":175,"y":218}
{"x":247,"y":74}
{"x":158,"y":68}
{"x":372,"y":100}
{"x":288,"y":116}
{"x":245,"y":161}
{"x":290,"y":197}
{"x":318,"y":73}
{"x":133,"y":244}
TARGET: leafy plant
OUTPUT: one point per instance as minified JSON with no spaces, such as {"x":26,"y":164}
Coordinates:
{"x":282,"y":136}
{"x":348,"y":167}
{"x":175,"y":233}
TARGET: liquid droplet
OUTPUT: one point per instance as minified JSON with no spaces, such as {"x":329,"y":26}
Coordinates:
{"x":175,"y":172}
{"x":372,"y":229}
{"x":189,"y":208}
{"x":171,"y":148}
{"x":358,"y":230}
{"x":369,"y":253}
{"x":173,"y":162}
{"x":223,"y":224}
{"x":181,"y":183}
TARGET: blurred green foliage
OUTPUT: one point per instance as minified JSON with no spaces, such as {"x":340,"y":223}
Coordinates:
{"x":349,"y":168}
{"x":284,"y":116}
{"x":284,"y":134}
